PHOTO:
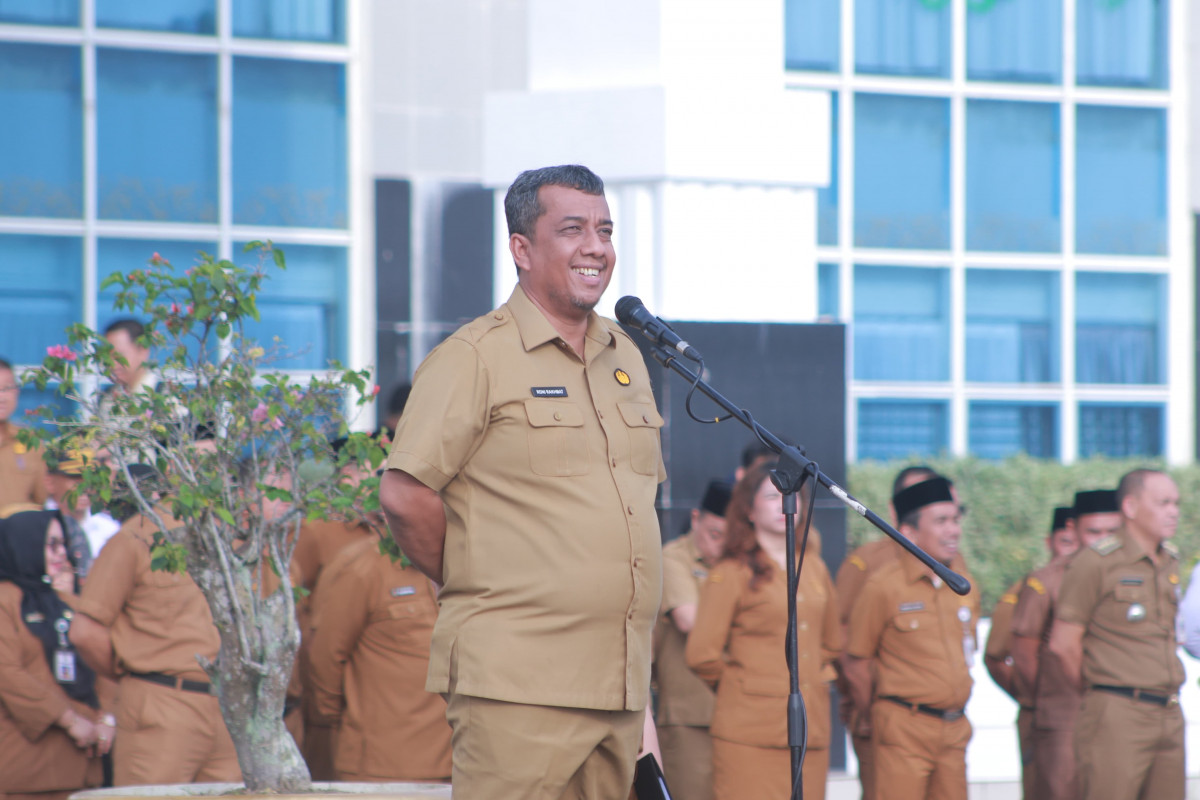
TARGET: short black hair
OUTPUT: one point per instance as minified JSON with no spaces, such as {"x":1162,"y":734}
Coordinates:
{"x":521,"y":204}
{"x":398,"y":399}
{"x":134,"y":328}
{"x":6,"y":364}
{"x":754,"y":451}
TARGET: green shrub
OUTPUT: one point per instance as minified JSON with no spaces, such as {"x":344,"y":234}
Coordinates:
{"x":1010,"y":505}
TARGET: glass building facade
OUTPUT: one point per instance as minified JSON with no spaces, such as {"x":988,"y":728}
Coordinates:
{"x":176,"y":127}
{"x":998,"y":234}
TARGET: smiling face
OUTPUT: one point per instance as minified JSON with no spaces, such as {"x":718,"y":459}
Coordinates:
{"x":938,"y":530}
{"x":57,"y":562}
{"x":567,"y":263}
{"x":10,"y":393}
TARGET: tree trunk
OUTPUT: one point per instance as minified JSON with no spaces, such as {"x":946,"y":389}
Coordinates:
{"x":251,"y":675}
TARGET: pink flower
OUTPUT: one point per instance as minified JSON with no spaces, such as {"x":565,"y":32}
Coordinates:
{"x":156,"y":259}
{"x":375,"y":391}
{"x":188,"y":271}
{"x":191,"y":308}
{"x":276,"y":423}
{"x":61,"y":351}
{"x":174,"y":308}
{"x":259,"y":414}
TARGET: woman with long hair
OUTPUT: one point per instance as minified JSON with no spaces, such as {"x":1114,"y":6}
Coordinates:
{"x":737,"y":644}
{"x":52,"y":733}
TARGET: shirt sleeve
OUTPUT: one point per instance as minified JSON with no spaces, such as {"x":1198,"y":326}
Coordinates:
{"x":851,"y":577}
{"x":1189,"y":615}
{"x":340,"y":613}
{"x":446,"y":415}
{"x":832,"y":640}
{"x":1032,"y":609}
{"x":706,"y":643}
{"x":29,"y":696}
{"x":111,"y":579}
{"x":999,"y":641}
{"x":867,"y":620}
{"x":679,"y":587}
{"x":1081,"y":589}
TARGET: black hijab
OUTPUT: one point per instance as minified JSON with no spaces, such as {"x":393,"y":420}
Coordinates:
{"x":23,"y":562}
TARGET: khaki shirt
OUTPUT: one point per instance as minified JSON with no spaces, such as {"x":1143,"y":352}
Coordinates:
{"x":22,"y":471}
{"x":548,"y":467}
{"x":1056,"y":699}
{"x":683,"y":698}
{"x":864,"y":562}
{"x":999,"y":641}
{"x":917,"y":633}
{"x":1127,"y":605}
{"x":159,"y":620}
{"x":738,"y":644}
{"x":368,"y":655}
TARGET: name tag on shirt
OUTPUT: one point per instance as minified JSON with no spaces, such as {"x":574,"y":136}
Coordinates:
{"x":64,"y":666}
{"x":906,"y":607}
{"x":404,"y":591}
{"x":548,"y":391}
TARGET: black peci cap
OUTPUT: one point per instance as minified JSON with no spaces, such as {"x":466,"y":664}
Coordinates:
{"x":919,"y":495}
{"x":716,"y":498}
{"x":1099,"y":501}
{"x":1061,"y":515}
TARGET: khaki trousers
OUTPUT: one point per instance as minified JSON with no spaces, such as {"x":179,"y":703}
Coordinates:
{"x":166,"y":735}
{"x":1128,"y":749}
{"x":919,"y":757}
{"x":743,"y":771}
{"x":1054,"y":763}
{"x":687,"y":761}
{"x":512,"y":751}
{"x":864,"y":751}
{"x":1028,"y":754}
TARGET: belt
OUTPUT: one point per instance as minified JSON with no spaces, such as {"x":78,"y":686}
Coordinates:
{"x":1165,"y":700}
{"x":946,"y":715}
{"x":200,"y":687}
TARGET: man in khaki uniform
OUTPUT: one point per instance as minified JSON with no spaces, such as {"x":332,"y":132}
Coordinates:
{"x":368,"y":653}
{"x":22,"y":472}
{"x":1114,"y":632}
{"x":1056,"y":699}
{"x":920,"y":639}
{"x":522,"y":479}
{"x":146,"y":628}
{"x":998,"y":655}
{"x":685,"y":702}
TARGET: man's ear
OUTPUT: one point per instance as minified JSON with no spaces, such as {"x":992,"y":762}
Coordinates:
{"x":519,"y":245}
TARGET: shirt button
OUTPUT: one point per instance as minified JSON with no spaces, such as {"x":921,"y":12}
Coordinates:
{"x":630,"y":510}
{"x":637,"y":562}
{"x":600,"y":414}
{"x":498,"y":315}
{"x":630,"y":615}
{"x":614,"y":462}
{"x":558,"y":416}
{"x":645,"y":418}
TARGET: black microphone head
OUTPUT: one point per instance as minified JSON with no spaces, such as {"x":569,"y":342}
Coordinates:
{"x":627,"y":308}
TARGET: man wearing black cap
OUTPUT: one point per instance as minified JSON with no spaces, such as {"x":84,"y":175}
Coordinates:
{"x":1056,"y":699}
{"x":1114,"y":632}
{"x":920,"y":638}
{"x":685,"y":703}
{"x":998,"y":654}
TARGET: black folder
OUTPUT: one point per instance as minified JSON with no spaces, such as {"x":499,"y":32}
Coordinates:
{"x":648,"y":781}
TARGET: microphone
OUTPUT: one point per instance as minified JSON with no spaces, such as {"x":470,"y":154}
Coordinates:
{"x":631,"y":312}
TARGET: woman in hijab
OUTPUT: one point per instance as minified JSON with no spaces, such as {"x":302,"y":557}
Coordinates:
{"x":52,"y":733}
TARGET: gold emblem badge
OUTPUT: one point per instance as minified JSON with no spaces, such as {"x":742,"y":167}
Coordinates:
{"x":622,"y":377}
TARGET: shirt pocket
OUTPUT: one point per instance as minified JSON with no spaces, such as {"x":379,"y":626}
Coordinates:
{"x":558,"y":445}
{"x":407,"y":624}
{"x":643,"y":422}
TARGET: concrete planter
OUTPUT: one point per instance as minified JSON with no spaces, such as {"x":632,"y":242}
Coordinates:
{"x":321,"y":791}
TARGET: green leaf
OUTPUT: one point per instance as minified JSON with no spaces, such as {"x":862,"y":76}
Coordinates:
{"x":224,"y":514}
{"x":278,"y":255}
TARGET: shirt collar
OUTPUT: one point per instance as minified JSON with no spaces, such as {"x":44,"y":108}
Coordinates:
{"x":915,"y":569}
{"x":536,"y":330}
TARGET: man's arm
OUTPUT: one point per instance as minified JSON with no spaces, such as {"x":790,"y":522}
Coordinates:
{"x":417,"y":520}
{"x":1066,"y":642}
{"x":1025,"y":651}
{"x":93,"y":641}
{"x":858,"y":674}
{"x":684,"y":617}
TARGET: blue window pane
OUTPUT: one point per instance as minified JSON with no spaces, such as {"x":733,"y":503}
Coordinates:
{"x":41,"y":276}
{"x":827,"y":198}
{"x":1014,"y":40}
{"x":812,"y":34}
{"x":164,"y":167}
{"x":1121,"y":328}
{"x":828,"y":293}
{"x":1121,"y":180}
{"x":126,"y":255}
{"x":999,"y":430}
{"x":289,"y":143}
{"x":55,"y":404}
{"x":300,"y":20}
{"x":1003,"y":140}
{"x":42,"y":175}
{"x":901,"y":324}
{"x":176,"y":16}
{"x":901,"y":172}
{"x":1121,"y":43}
{"x":305,"y":305}
{"x":1120,"y":431}
{"x":891,"y":429}
{"x":1012,"y":326}
{"x":902,"y":37}
{"x":40,"y":12}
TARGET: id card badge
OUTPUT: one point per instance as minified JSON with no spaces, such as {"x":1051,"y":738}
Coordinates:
{"x":968,"y":644}
{"x":64,"y":666}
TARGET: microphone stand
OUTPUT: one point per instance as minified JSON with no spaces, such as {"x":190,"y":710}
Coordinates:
{"x":788,"y":476}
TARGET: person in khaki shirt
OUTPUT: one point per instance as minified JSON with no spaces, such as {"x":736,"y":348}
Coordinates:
{"x":522,"y":480}
{"x":1000,"y":653}
{"x":22,"y":471}
{"x":685,"y":702}
{"x":911,"y":644}
{"x":1114,"y":632}
{"x":367,"y":658}
{"x":1056,"y":699}
{"x":737,"y":644}
{"x":147,"y":628}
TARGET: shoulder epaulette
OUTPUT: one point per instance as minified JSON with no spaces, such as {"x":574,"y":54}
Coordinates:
{"x":1170,"y":549}
{"x":1011,"y":599}
{"x":858,"y":562}
{"x":1035,"y":584}
{"x":1109,"y":544}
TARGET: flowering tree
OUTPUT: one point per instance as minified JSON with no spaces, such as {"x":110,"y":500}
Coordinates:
{"x":238,"y":457}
